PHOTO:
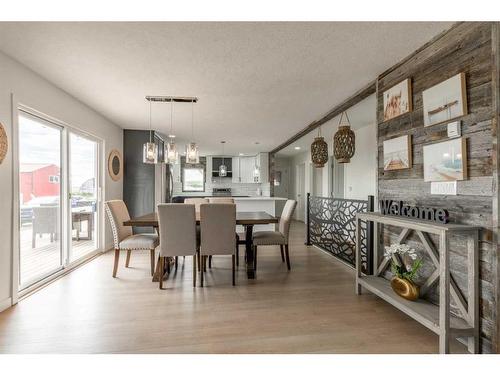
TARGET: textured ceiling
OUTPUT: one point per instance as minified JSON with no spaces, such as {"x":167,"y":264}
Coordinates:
{"x":256,"y":82}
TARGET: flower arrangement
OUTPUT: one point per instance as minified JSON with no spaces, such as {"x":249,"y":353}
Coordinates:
{"x":397,"y":253}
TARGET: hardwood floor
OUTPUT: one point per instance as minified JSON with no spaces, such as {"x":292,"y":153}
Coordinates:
{"x":311,"y":309}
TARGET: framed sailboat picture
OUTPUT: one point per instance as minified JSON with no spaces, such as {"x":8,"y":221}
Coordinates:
{"x":445,"y":161}
{"x":397,"y":153}
{"x":445,"y":101}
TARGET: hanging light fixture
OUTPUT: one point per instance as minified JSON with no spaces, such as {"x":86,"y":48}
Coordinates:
{"x":192,"y":153}
{"x":319,"y":151}
{"x":222,"y":167}
{"x":344,"y":141}
{"x":171,"y":154}
{"x":150,"y":150}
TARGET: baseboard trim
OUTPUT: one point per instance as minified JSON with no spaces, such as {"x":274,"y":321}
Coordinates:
{"x":5,"y":304}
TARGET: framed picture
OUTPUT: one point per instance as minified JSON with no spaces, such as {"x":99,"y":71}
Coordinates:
{"x":397,"y":100}
{"x":445,"y":161}
{"x":397,"y":153}
{"x":445,"y":101}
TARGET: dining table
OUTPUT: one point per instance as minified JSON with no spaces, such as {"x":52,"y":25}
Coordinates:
{"x":246,"y":219}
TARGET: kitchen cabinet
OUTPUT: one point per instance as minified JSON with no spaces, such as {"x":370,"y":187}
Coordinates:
{"x":244,"y":168}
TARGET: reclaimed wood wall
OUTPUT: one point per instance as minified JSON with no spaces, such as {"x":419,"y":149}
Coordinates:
{"x":466,"y":47}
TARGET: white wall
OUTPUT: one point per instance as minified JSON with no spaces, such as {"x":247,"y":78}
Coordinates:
{"x":34,"y":91}
{"x":360,"y":175}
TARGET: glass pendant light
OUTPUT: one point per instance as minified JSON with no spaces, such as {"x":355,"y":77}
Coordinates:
{"x":171,"y":154}
{"x":192,"y":153}
{"x":222,"y":167}
{"x":150,"y":150}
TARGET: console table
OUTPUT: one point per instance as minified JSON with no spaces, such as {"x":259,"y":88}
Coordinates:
{"x":436,"y":318}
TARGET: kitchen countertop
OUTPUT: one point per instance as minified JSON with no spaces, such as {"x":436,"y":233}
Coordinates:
{"x":259,"y":199}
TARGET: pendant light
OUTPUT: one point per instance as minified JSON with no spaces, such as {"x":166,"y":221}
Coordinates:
{"x":171,"y":154}
{"x":150,"y":150}
{"x":222,"y":167}
{"x":344,"y":142}
{"x":319,"y":151}
{"x":192,"y":153}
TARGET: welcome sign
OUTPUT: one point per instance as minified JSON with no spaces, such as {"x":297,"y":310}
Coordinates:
{"x":398,"y":208}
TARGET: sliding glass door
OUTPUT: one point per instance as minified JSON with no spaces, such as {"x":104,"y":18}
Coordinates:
{"x":83,"y":182}
{"x":40,"y":195}
{"x":58,"y":193}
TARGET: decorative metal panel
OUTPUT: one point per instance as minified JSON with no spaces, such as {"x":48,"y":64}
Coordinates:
{"x":332,"y":227}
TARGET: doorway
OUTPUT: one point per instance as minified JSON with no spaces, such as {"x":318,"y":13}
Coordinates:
{"x":301,"y":188}
{"x":59,"y":204}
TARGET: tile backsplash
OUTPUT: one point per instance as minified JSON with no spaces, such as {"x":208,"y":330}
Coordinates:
{"x":236,"y":188}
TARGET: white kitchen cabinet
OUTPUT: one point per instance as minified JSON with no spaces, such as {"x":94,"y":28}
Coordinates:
{"x":236,"y":170}
{"x":262,"y":160}
{"x":247,"y":165}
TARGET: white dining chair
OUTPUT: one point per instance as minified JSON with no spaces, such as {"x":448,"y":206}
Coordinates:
{"x":177,"y":228}
{"x":279,"y":237}
{"x":123,"y":237}
{"x":218,"y":237}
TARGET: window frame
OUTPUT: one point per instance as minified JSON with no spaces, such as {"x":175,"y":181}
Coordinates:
{"x":203,"y":170}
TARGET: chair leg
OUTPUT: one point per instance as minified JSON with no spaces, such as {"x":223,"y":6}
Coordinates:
{"x":255,"y":258}
{"x":287,"y":256}
{"x":194,"y":270}
{"x":209,"y":261}
{"x":282,"y":254}
{"x":201,"y":273}
{"x":198,"y":260}
{"x":237,"y":255}
{"x":152,"y":252}
{"x":127,"y":261}
{"x":162,"y":271}
{"x":204,"y":263}
{"x":234,"y":270}
{"x":117,"y":258}
{"x":176,"y":262}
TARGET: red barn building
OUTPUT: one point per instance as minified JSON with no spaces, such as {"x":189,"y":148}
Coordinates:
{"x":39,"y":180}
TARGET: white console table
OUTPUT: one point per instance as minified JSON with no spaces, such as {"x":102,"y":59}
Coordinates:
{"x":436,"y":318}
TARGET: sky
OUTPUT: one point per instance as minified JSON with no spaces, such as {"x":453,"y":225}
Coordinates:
{"x":40,"y":143}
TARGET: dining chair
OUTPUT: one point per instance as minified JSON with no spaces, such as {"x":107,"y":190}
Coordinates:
{"x":220,"y":200}
{"x":196,"y":201}
{"x":177,"y":228}
{"x":123,"y":237}
{"x":218,"y":237}
{"x":279,"y":237}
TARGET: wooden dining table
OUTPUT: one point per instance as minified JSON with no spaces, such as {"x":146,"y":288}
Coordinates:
{"x":245,"y":219}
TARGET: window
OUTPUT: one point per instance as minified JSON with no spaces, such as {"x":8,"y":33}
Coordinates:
{"x":193,"y":179}
{"x":54,"y":179}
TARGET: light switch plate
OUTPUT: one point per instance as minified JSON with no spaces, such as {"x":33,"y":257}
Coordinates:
{"x":454,"y":129}
{"x":444,"y":188}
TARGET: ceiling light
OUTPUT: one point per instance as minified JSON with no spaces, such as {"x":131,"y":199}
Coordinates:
{"x":192,"y":153}
{"x":150,"y":150}
{"x":171,"y":153}
{"x":222,"y":167}
{"x":297,"y":147}
{"x":241,"y":154}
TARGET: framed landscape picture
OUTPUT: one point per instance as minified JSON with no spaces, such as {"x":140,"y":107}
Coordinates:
{"x":397,"y":153}
{"x":445,"y":161}
{"x":445,"y":101}
{"x":397,"y":100}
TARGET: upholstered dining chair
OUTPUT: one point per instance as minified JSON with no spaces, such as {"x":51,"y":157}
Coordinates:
{"x":218,"y":237}
{"x":280,"y":237}
{"x":123,"y":237}
{"x":177,"y":228}
{"x":196,"y":201}
{"x":220,"y":200}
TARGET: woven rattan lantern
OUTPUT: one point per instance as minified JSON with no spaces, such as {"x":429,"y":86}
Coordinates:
{"x":3,"y":143}
{"x":319,"y":151}
{"x":344,"y":141}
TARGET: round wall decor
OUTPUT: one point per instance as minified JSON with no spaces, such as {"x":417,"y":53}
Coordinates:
{"x":115,"y":165}
{"x":4,"y":145}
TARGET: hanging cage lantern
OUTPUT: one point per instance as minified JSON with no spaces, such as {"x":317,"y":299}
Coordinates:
{"x":344,"y":141}
{"x":319,"y":151}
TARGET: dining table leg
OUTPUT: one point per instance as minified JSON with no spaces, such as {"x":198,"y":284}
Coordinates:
{"x":249,"y":252}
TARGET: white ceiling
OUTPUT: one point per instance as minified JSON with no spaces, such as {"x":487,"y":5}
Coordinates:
{"x":256,"y":82}
{"x":360,"y":115}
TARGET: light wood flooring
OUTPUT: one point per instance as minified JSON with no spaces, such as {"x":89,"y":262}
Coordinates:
{"x":311,"y":309}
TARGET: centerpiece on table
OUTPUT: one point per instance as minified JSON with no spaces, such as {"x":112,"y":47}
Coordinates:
{"x":404,"y":266}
